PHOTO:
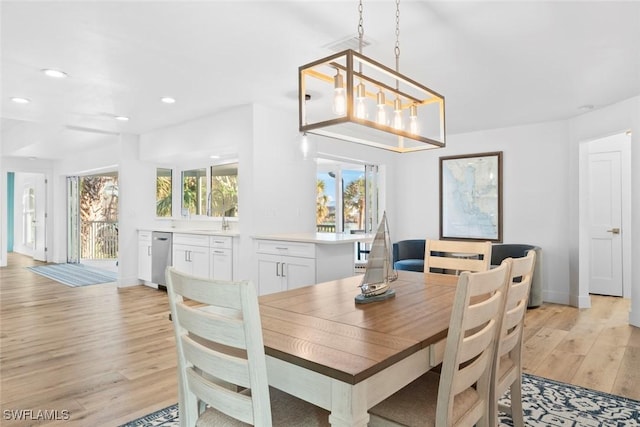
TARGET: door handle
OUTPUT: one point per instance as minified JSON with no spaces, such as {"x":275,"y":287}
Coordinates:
{"x":282,"y":270}
{"x":615,"y":230}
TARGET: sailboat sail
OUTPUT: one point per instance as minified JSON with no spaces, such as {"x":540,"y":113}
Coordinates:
{"x":379,"y":271}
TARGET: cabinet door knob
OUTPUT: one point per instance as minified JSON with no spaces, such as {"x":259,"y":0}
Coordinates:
{"x":282,"y":270}
{"x":277,"y":269}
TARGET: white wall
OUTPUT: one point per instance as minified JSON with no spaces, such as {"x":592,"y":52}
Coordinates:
{"x":535,"y":192}
{"x":136,"y":204}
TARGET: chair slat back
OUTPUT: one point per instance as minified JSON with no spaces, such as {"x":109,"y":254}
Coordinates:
{"x":516,"y":307}
{"x":220,"y":347}
{"x":471,"y":341}
{"x":454,"y":257}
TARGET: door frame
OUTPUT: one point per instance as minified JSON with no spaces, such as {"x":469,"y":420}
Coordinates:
{"x":619,"y":141}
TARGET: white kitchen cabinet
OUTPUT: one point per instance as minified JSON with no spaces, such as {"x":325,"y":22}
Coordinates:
{"x":221,"y":257}
{"x":144,"y":255}
{"x":287,"y":261}
{"x":284,"y":265}
{"x":278,"y":273}
{"x":298,"y":272}
{"x":191,"y":254}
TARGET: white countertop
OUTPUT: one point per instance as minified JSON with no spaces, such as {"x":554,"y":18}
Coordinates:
{"x":203,"y":231}
{"x":321,"y":238}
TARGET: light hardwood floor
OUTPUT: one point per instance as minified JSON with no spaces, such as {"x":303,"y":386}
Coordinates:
{"x":107,"y":355}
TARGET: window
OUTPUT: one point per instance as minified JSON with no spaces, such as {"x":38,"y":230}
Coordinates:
{"x":194,"y":192}
{"x":28,"y":216}
{"x":164,"y":191}
{"x":346,"y":197}
{"x":224,"y":190}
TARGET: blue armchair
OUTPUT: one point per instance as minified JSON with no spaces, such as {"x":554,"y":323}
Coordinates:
{"x":409,"y":255}
{"x":501,"y":251}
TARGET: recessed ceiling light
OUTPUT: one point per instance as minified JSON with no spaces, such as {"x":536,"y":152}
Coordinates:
{"x":168,"y":100}
{"x":213,"y":156}
{"x":19,"y":100}
{"x":122,"y":118}
{"x":54,"y":73}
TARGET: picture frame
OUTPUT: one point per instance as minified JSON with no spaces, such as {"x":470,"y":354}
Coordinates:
{"x":471,"y":197}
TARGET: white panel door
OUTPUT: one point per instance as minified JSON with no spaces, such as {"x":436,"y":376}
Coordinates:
{"x":40,"y":220}
{"x":605,"y":217}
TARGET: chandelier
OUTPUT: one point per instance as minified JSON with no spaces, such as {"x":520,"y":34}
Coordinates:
{"x":360,"y":100}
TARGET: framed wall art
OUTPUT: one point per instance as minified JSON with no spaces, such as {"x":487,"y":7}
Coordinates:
{"x":471,"y":197}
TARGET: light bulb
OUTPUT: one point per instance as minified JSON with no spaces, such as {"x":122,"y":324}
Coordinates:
{"x":381,"y":116}
{"x":339,"y":100}
{"x":304,"y":145}
{"x":361,"y":108}
{"x":413,"y":119}
{"x":397,"y":114}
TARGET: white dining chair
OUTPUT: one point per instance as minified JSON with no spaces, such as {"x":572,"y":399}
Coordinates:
{"x":454,"y":256}
{"x":460,"y":394}
{"x":221,"y":361}
{"x":508,"y":360}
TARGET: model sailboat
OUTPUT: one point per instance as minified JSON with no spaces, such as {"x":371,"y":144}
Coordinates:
{"x":379,"y":271}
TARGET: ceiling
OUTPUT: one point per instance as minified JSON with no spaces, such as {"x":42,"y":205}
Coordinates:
{"x":498,"y":64}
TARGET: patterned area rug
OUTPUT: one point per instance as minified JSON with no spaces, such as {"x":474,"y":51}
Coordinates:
{"x":75,"y":274}
{"x":546,"y":403}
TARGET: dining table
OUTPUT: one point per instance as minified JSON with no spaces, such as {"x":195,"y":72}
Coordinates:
{"x":346,"y":357}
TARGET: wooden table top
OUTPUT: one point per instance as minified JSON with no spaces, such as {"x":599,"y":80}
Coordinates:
{"x":321,"y":328}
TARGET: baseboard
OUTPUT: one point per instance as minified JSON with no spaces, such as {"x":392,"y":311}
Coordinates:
{"x":580,"y":301}
{"x":634,"y":317}
{"x":556,"y":297}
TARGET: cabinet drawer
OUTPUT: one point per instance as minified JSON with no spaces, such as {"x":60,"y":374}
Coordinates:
{"x":144,"y":236}
{"x":191,"y":239}
{"x":220,"y":242}
{"x":276,"y":247}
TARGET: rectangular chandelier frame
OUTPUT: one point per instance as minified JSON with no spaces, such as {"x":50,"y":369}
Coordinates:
{"x":340,"y":97}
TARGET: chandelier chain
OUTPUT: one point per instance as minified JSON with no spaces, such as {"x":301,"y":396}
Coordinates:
{"x":397,"y":47}
{"x":360,"y":27}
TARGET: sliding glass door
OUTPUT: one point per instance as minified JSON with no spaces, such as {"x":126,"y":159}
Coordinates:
{"x":73,"y":219}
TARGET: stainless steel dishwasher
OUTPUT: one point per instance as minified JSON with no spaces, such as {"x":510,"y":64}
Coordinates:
{"x":160,"y":256}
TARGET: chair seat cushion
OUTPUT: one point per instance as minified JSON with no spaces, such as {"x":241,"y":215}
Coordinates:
{"x":415,"y":404}
{"x":286,"y":410}
{"x":410,"y":265}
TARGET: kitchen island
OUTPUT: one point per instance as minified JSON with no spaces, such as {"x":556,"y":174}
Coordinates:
{"x":289,"y":261}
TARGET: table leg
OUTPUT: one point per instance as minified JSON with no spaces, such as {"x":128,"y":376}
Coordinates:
{"x":348,"y":405}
